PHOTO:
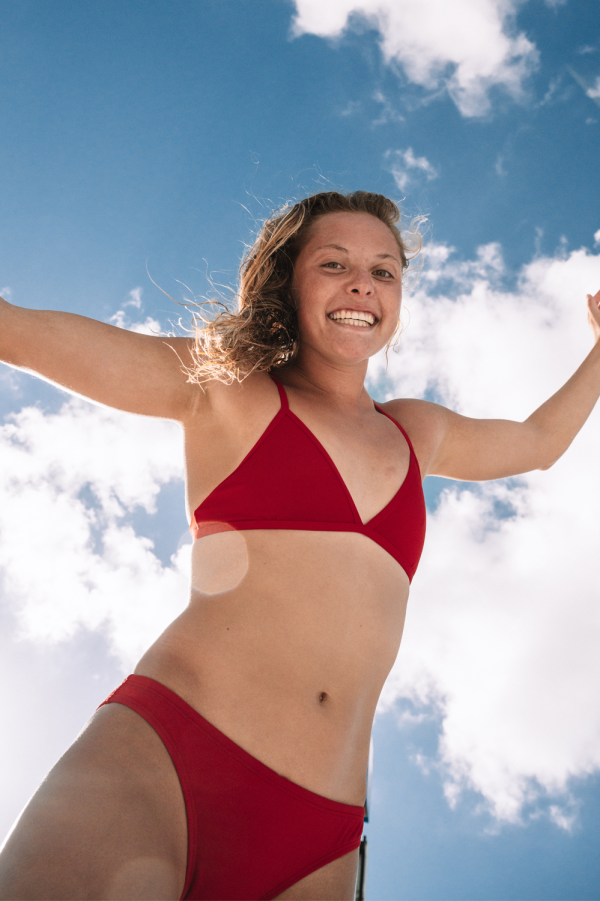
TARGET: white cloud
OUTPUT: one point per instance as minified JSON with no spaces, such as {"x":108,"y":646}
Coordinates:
{"x":594,"y":91}
{"x":503,"y":626}
{"x":466,"y":47}
{"x":122,"y":318}
{"x":150,"y":326}
{"x":406,"y":168}
{"x":135,"y":298}
{"x":351,"y":108}
{"x":553,"y":93}
{"x":387,"y":113}
{"x":67,"y":559}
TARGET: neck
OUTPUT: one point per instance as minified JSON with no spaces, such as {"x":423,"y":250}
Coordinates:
{"x":344,"y":382}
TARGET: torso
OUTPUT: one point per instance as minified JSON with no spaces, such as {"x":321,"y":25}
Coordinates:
{"x":287,"y":645}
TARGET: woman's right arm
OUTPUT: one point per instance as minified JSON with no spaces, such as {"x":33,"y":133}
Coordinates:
{"x":137,"y":373}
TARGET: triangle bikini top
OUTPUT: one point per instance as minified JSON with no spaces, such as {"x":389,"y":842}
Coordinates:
{"x":289,"y":481}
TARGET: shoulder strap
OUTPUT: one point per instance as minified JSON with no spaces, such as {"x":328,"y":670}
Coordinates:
{"x":282,"y":395}
{"x":408,"y":441}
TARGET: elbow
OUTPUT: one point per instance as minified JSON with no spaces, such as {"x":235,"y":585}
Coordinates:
{"x":544,"y":466}
{"x":549,"y":461}
{"x":547,"y":451}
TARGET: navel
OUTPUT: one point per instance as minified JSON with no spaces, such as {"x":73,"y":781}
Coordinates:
{"x":322,"y":697}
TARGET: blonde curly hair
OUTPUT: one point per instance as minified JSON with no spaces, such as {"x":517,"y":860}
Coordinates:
{"x":263,"y":333}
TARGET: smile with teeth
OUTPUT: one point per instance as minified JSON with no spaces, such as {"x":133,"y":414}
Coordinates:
{"x":354,"y":317}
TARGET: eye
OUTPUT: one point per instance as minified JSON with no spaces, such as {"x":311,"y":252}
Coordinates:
{"x":332,"y":264}
{"x":383,"y":273}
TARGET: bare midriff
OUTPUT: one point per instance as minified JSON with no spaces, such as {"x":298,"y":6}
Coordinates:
{"x":285,"y":649}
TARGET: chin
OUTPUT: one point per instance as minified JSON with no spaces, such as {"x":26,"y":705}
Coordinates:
{"x":353,"y":354}
{"x":361,"y":344}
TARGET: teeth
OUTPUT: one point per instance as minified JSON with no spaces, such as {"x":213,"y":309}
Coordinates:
{"x":354,"y":317}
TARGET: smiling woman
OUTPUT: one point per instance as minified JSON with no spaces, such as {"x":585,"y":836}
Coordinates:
{"x":232,"y":764}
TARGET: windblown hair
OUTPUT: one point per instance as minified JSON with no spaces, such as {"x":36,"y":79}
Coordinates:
{"x":263,"y":333}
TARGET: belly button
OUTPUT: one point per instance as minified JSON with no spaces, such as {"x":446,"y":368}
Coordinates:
{"x":322,"y":697}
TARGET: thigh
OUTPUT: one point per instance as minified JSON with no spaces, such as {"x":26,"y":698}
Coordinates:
{"x":334,"y":882}
{"x":108,"y":822}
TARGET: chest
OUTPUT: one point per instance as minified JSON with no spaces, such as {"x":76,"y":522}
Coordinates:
{"x":367,"y":455}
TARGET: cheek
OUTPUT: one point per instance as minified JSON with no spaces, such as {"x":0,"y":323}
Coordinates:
{"x":307,"y":319}
{"x":394,"y":306}
{"x":310,"y":300}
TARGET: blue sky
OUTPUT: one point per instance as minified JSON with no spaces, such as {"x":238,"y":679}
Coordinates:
{"x":156,"y":134}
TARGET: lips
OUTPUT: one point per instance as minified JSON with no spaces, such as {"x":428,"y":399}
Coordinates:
{"x":357,"y":318}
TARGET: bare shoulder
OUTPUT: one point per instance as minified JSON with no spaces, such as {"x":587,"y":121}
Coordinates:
{"x":238,"y":401}
{"x":183,"y":350}
{"x":211,"y":398}
{"x":425,"y":424}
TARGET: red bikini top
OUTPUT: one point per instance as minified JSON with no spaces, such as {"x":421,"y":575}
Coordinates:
{"x":289,"y":481}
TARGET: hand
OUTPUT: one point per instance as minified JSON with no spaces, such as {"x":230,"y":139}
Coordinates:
{"x":594,"y":315}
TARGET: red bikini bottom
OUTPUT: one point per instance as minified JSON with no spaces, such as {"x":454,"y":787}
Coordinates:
{"x":251,"y":832}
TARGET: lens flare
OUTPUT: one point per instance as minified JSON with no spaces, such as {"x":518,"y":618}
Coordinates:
{"x":219,"y":561}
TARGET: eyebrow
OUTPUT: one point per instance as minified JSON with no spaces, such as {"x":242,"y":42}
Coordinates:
{"x":378,"y":256}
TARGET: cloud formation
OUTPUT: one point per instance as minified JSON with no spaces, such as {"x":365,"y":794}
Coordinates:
{"x":135,"y":298}
{"x":407,"y":169}
{"x":504,"y":621}
{"x":592,"y":91}
{"x":68,"y":559}
{"x":466,"y":48}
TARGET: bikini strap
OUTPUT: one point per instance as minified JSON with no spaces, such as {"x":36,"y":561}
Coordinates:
{"x":282,"y":395}
{"x":407,"y":439}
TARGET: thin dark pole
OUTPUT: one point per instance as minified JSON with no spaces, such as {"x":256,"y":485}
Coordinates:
{"x":361,"y":879}
{"x":361,"y":876}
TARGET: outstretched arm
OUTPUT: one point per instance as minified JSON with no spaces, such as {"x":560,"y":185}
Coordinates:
{"x":122,"y":369}
{"x":481,"y":449}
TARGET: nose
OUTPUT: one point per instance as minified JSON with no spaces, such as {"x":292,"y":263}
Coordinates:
{"x":361,"y":283}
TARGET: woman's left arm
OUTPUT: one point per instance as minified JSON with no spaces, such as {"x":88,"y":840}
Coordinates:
{"x":481,"y":449}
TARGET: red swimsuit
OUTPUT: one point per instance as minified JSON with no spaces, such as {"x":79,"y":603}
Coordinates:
{"x":251,"y":832}
{"x":289,"y":481}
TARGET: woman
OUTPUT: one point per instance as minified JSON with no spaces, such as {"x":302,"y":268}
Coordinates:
{"x":232,"y":764}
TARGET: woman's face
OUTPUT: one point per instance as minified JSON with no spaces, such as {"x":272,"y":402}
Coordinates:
{"x":348,"y":287}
